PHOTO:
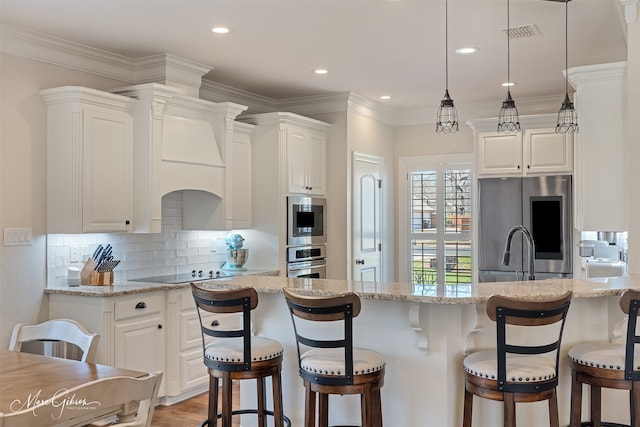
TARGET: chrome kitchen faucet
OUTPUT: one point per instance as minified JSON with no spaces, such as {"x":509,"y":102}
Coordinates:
{"x":506,"y":257}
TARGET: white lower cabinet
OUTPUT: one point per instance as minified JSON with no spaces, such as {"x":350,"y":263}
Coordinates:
{"x":186,"y":372}
{"x":139,"y":340}
{"x":185,"y":369}
{"x":131,"y":327}
{"x":148,"y":331}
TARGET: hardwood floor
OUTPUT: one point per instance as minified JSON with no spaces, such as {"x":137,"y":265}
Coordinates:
{"x":190,"y":412}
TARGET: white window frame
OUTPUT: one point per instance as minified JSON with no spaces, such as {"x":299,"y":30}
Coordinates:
{"x":406,"y":165}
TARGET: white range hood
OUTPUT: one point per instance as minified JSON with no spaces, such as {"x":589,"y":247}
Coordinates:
{"x":181,"y":143}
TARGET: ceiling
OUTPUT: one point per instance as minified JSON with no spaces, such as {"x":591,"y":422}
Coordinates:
{"x":370,"y":47}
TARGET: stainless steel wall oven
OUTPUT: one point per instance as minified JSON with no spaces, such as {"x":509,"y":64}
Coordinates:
{"x":307,"y":261}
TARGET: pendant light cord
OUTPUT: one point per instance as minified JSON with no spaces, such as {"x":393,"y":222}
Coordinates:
{"x":508,"y":50}
{"x":566,"y":46}
{"x":446,"y":44}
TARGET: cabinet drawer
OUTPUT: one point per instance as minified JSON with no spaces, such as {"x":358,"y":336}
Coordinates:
{"x":141,"y":306}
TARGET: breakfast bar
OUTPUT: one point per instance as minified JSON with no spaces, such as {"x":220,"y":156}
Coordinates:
{"x":423,"y":331}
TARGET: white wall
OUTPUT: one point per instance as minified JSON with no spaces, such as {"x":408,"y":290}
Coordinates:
{"x":422,"y":140}
{"x":337,"y":179}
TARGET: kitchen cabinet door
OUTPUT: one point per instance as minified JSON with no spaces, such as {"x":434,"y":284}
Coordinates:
{"x":106,"y":170}
{"x":89,"y":160}
{"x":547,"y":152}
{"x":139,"y":337}
{"x":306,"y":162}
{"x":499,"y":155}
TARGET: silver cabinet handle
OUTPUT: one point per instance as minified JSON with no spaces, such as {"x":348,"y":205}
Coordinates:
{"x":311,"y":267}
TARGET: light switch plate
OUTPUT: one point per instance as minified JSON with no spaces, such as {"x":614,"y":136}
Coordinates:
{"x":18,"y":236}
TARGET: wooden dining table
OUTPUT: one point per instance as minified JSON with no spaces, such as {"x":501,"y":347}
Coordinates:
{"x":25,"y":377}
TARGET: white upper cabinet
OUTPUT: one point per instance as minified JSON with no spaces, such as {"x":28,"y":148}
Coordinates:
{"x":145,"y":140}
{"x":306,"y":162}
{"x":547,"y":152}
{"x":301,"y":144}
{"x":601,"y":204}
{"x":499,"y":154}
{"x":89,"y":160}
{"x":536,"y":150}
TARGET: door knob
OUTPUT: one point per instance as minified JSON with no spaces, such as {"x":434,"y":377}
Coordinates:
{"x":360,"y":261}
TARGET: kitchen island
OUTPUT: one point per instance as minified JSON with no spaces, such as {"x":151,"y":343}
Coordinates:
{"x":424,"y":332}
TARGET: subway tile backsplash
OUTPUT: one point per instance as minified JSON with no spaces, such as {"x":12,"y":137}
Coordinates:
{"x":172,"y":251}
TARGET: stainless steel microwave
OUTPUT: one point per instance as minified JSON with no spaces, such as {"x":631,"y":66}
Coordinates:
{"x":306,"y":220}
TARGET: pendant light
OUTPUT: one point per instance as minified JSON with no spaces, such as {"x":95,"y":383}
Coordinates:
{"x":508,"y":120}
{"x":447,"y":121}
{"x":567,"y":116}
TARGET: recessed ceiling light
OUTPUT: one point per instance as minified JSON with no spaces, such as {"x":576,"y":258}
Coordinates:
{"x":320,"y":71}
{"x":466,"y":50}
{"x":220,"y":30}
{"x":385,"y":97}
{"x":508,"y":84}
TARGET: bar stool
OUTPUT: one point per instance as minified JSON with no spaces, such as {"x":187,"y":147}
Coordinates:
{"x":608,"y":365}
{"x":334,"y":366}
{"x":517,"y":373}
{"x":236,"y":355}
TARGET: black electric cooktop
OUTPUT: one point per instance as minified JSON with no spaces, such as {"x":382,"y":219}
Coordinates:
{"x":176,"y":279}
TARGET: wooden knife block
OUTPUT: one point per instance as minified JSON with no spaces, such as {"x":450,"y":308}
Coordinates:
{"x":89,"y":275}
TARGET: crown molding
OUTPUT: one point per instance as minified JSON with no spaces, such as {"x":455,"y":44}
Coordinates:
{"x":187,"y":75}
{"x":630,"y":10}
{"x":597,"y":73}
{"x":527,"y":121}
{"x":171,"y":70}
{"x":316,"y":104}
{"x":41,"y":47}
{"x":218,"y":92}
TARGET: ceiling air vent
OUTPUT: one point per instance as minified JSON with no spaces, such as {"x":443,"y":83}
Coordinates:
{"x":523,"y":31}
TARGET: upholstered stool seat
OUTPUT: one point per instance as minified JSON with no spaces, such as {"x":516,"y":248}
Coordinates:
{"x":231,"y":350}
{"x":601,"y":355}
{"x":234,"y":354}
{"x":334,"y":366}
{"x":520,"y":368}
{"x":330,"y":361}
{"x":514,"y":372}
{"x":607,"y":365}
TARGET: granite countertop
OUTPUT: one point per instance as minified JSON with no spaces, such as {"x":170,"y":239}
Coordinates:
{"x":391,"y":291}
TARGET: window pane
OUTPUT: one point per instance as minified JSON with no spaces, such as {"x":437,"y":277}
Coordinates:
{"x":457,"y":262}
{"x":457,"y":201}
{"x":423,"y":262}
{"x":423,"y":201}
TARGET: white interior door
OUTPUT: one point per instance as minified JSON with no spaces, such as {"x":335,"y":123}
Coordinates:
{"x":367,"y":212}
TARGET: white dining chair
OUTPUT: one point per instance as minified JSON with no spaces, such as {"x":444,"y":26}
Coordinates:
{"x":66,"y":330}
{"x":94,"y":400}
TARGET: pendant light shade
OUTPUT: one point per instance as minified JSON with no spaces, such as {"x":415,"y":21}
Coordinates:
{"x":567,"y":116}
{"x":508,"y":119}
{"x":447,"y":120}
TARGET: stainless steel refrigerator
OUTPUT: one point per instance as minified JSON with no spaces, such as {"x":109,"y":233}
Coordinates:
{"x":544,"y":206}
